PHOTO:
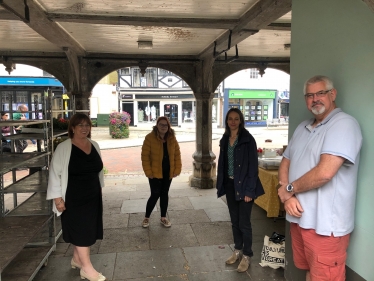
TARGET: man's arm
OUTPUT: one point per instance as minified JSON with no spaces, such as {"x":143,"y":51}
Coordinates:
{"x":325,"y":170}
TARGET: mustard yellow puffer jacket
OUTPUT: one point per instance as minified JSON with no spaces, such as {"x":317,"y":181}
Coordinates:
{"x":153,"y":152}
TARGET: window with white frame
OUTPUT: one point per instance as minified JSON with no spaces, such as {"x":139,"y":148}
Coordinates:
{"x":253,"y":73}
{"x":148,"y":81}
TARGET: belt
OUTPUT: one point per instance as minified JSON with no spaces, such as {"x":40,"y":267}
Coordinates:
{"x":231,"y":177}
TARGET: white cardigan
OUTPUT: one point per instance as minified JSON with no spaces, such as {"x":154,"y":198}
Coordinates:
{"x":58,"y":171}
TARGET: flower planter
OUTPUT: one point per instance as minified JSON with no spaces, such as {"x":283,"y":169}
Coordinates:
{"x":119,"y":125}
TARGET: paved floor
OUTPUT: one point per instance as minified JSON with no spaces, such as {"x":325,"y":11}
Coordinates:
{"x":200,"y":239}
{"x":194,"y":248}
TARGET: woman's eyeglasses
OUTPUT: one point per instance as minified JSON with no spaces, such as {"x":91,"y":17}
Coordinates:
{"x":84,"y":125}
{"x":162,"y":125}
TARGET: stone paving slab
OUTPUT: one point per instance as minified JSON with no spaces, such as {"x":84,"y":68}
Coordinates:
{"x":205,"y":202}
{"x":124,"y":240}
{"x":139,"y":194}
{"x":151,"y":263}
{"x":214,"y":233}
{"x":218,"y":214}
{"x":115,"y":220}
{"x":185,"y":192}
{"x":135,"y":206}
{"x":124,"y":195}
{"x":179,"y":203}
{"x":176,"y":236}
{"x":188,"y":216}
{"x":226,"y":275}
{"x":207,"y":258}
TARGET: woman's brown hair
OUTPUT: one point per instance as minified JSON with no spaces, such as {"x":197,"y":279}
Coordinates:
{"x":170,"y":130}
{"x":77,"y":119}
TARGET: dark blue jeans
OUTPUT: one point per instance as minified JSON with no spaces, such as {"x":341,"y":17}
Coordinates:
{"x":159,"y":189}
{"x":240,"y":214}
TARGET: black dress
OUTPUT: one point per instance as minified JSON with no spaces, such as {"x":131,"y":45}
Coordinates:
{"x":82,"y":221}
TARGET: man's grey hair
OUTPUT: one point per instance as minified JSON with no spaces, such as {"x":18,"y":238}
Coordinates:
{"x":22,"y":107}
{"x":319,"y":78}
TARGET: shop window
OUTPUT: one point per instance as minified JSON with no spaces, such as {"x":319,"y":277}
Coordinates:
{"x":148,"y":81}
{"x":253,"y":73}
{"x":148,"y":111}
{"x":125,"y":71}
{"x":214,"y":111}
{"x":164,"y":72}
{"x":188,"y":111}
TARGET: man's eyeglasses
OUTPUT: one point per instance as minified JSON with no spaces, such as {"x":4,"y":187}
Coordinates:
{"x":319,"y":94}
{"x":83,"y":125}
{"x":163,"y":125}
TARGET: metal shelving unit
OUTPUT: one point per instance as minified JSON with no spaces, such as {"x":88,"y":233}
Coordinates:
{"x":28,"y":233}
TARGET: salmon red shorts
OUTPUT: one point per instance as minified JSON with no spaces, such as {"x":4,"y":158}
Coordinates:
{"x":323,"y":256}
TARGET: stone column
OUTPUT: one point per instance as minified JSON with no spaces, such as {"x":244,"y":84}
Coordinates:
{"x":204,"y":167}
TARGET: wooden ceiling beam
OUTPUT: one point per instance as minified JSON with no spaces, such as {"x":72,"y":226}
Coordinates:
{"x":258,"y":17}
{"x":36,"y":18}
{"x":278,"y":26}
{"x":144,"y":21}
{"x":5,"y":15}
{"x":370,"y":3}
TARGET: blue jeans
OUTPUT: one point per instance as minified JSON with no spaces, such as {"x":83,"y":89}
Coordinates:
{"x":240,"y":214}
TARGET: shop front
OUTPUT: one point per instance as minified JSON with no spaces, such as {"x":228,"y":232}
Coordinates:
{"x":256,"y":105}
{"x":179,"y":108}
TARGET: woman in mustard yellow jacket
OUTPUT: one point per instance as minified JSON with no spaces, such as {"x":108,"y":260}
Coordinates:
{"x":161,"y":161}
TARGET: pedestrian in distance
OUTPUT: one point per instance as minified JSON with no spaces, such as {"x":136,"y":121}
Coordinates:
{"x":75,"y":181}
{"x":237,"y":177}
{"x":161,"y":161}
{"x":318,"y":178}
{"x":5,"y":131}
{"x":20,"y":115}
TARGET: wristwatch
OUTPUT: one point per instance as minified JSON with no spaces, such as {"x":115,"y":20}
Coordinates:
{"x":289,"y":187}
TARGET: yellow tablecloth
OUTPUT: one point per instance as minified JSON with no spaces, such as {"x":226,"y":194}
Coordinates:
{"x":269,"y":201}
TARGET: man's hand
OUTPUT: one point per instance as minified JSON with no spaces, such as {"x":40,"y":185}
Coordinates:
{"x":293,"y":207}
{"x":283,"y":194}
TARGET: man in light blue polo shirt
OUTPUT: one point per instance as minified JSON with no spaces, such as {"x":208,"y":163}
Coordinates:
{"x":318,"y":177}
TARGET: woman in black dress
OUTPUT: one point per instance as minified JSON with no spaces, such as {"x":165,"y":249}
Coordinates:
{"x":75,"y":182}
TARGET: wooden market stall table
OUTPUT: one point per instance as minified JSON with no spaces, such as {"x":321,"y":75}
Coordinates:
{"x":269,"y":201}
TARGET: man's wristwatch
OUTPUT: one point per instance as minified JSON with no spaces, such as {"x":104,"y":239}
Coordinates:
{"x":289,"y":187}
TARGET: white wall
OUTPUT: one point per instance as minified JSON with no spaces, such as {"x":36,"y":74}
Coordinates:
{"x":336,"y":38}
{"x":272,"y":79}
{"x":105,"y":98}
{"x":22,"y":70}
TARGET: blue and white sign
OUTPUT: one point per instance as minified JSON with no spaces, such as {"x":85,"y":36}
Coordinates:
{"x":29,"y":81}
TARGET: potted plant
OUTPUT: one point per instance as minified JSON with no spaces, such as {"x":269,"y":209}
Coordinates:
{"x":60,"y":124}
{"x":119,"y":125}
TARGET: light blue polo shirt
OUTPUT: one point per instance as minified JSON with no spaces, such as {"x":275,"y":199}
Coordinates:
{"x":330,"y":208}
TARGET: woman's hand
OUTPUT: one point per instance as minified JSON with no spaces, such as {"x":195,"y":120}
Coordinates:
{"x":60,"y":204}
{"x":247,"y":199}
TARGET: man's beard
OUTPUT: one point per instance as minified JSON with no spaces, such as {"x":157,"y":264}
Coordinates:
{"x":319,"y":111}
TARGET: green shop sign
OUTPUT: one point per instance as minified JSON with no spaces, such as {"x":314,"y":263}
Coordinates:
{"x":252,"y":94}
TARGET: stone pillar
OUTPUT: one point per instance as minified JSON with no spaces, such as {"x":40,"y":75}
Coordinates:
{"x":204,"y":167}
{"x":81,"y":103}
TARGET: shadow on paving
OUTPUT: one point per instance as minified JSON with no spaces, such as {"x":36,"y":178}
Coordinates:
{"x":194,"y":248}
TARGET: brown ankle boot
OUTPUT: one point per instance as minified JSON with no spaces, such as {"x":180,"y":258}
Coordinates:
{"x":234,"y":257}
{"x":244,"y":264}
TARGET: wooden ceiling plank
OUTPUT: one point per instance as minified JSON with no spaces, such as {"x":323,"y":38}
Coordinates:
{"x":145,"y":21}
{"x":39,"y":22}
{"x":258,"y":17}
